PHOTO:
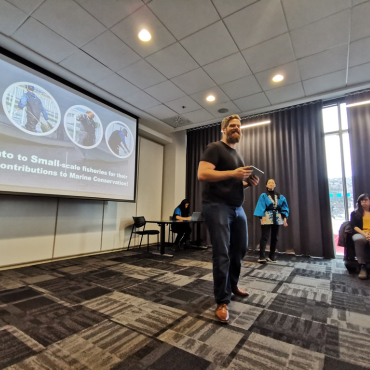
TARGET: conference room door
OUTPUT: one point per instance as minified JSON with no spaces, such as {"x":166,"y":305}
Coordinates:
{"x":338,"y":163}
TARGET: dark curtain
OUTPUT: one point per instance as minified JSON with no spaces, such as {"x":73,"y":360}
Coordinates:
{"x":196,"y":142}
{"x":291,"y":150}
{"x":359,"y":135}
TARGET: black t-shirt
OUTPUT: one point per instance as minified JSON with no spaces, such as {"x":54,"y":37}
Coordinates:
{"x":228,"y":191}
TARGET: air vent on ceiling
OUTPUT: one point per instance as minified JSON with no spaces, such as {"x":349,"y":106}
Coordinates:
{"x":177,"y":121}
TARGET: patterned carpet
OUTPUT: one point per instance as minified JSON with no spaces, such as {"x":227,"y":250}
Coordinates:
{"x":128,"y":310}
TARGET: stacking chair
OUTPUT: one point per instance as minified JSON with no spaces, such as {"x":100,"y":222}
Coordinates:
{"x":139,"y":222}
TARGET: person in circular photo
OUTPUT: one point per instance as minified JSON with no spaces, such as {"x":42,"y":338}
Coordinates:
{"x":119,"y":139}
{"x":31,"y":108}
{"x":83,"y":126}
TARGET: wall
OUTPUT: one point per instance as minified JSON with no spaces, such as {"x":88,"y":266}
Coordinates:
{"x":174,"y":175}
{"x":42,"y":228}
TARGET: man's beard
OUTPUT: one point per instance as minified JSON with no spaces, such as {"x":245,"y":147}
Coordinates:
{"x":233,"y":139}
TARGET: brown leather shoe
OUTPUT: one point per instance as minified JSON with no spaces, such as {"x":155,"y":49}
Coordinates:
{"x":240,"y":292}
{"x":222,"y":313}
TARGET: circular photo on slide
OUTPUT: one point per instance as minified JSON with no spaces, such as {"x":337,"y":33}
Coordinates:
{"x":119,"y":139}
{"x":31,"y":108}
{"x":83,"y":126}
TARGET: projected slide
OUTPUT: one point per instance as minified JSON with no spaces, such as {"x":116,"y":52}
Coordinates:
{"x":56,"y":141}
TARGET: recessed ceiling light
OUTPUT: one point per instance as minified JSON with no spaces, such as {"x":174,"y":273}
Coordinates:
{"x":144,"y":35}
{"x":210,"y":98}
{"x":223,"y":110}
{"x":278,"y":78}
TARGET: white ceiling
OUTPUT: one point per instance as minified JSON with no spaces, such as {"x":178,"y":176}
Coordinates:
{"x":228,"y":48}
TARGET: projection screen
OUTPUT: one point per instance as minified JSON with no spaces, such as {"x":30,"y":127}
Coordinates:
{"x":55,"y":140}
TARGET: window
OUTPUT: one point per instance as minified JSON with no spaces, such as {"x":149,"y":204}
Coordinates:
{"x":338,"y":163}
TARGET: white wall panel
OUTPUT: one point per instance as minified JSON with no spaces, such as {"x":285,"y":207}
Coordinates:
{"x":117,"y":225}
{"x":79,"y":227}
{"x":27,"y":227}
{"x":150,"y":178}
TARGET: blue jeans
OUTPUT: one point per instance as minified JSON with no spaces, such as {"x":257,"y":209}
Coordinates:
{"x":227,"y":227}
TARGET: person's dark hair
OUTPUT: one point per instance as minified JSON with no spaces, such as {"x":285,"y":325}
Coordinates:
{"x":184,"y":211}
{"x":269,"y":180}
{"x":359,"y":210}
{"x":30,"y":87}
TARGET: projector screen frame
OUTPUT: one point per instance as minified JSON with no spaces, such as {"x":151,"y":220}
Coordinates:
{"x":25,"y":64}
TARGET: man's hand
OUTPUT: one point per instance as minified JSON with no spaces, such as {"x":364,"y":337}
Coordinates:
{"x":253,"y":180}
{"x":368,"y":236}
{"x":263,"y":220}
{"x":285,"y":222}
{"x":242,"y":173}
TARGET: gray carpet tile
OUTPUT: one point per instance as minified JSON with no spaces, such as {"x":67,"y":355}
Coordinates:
{"x":131,"y":310}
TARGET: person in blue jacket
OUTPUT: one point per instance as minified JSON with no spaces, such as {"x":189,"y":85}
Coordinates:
{"x":181,"y":213}
{"x":34,"y":109}
{"x":272,"y":208}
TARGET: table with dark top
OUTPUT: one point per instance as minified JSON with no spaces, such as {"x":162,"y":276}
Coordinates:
{"x":163,"y":223}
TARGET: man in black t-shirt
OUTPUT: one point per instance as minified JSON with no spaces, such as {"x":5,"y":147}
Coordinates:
{"x":224,"y":174}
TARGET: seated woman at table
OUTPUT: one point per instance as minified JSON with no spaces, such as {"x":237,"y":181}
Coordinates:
{"x":360,"y":221}
{"x":181,"y":213}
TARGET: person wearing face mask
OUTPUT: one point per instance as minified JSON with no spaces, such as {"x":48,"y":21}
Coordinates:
{"x":225,"y":176}
{"x":272,"y":208}
{"x":181,"y":213}
{"x":360,"y":221}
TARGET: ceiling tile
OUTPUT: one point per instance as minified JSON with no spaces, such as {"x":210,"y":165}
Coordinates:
{"x":187,"y":102}
{"x":10,"y":18}
{"x":252,"y":102}
{"x":242,"y":87}
{"x":325,"y":62}
{"x":210,"y":44}
{"x":69,"y":20}
{"x":142,"y":100}
{"x":231,"y":6}
{"x":161,"y":112}
{"x":117,"y":86}
{"x":44,"y":41}
{"x":28,"y":6}
{"x":359,"y":52}
{"x":111,"y":51}
{"x":228,"y":69}
{"x":359,"y":74}
{"x":259,"y":22}
{"x":198,"y":116}
{"x":357,"y":2}
{"x":360,"y":21}
{"x":200,"y":97}
{"x":290,"y":72}
{"x":285,"y":93}
{"x":330,"y":81}
{"x":233,"y":109}
{"x":321,"y":35}
{"x":110,"y":12}
{"x":86,"y":67}
{"x":301,"y":13}
{"x":172,"y":61}
{"x":269,"y":54}
{"x":165,"y":91}
{"x":194,"y":81}
{"x":184,"y":17}
{"x":142,"y":74}
{"x":128,"y":30}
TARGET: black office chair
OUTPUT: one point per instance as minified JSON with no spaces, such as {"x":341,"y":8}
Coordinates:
{"x":140,"y":222}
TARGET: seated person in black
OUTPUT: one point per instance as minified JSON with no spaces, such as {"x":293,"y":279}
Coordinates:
{"x":360,"y":221}
{"x":183,"y":231}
